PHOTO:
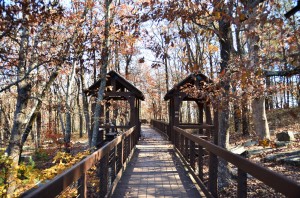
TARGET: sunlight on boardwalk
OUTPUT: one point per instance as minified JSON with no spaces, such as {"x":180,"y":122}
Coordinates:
{"x":155,"y":171}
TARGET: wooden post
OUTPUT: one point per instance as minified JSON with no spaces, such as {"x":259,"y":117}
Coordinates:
{"x":208,"y":118}
{"x":82,"y":190}
{"x":181,"y":143}
{"x":122,"y":152}
{"x":200,"y":107}
{"x":242,"y":184}
{"x":131,"y":101}
{"x":186,"y":148}
{"x":107,"y":105}
{"x":101,"y":122}
{"x":213,"y":174}
{"x":103,"y":175}
{"x":200,"y":162}
{"x":114,"y":163}
{"x":171,"y":120}
{"x":176,"y":106}
{"x":192,"y":155}
{"x":216,"y":127}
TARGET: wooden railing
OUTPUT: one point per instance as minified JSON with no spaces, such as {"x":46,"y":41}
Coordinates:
{"x":191,"y":147}
{"x":162,"y":126}
{"x":110,"y":160}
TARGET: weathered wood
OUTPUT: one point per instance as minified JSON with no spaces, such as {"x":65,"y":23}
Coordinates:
{"x":82,"y":190}
{"x":186,"y":148}
{"x":213,"y":174}
{"x":200,"y":162}
{"x":193,"y":126}
{"x":102,"y":170}
{"x":192,"y":155}
{"x":242,"y":184}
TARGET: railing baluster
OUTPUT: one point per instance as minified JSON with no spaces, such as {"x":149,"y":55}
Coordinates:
{"x":122,"y":156}
{"x":103,"y":175}
{"x":114,"y":164}
{"x":82,"y":190}
{"x":181,"y":143}
{"x":176,"y":141}
{"x":200,"y":162}
{"x":192,"y":154}
{"x":213,"y":174}
{"x":242,"y":184}
{"x":186,"y":148}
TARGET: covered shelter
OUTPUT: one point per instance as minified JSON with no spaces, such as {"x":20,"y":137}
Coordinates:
{"x":189,"y":89}
{"x":117,"y":88}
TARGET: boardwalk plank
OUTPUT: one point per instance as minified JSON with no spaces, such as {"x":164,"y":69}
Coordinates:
{"x":155,"y":171}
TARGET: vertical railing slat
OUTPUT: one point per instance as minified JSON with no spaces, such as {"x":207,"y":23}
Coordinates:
{"x":200,"y":162}
{"x":242,"y":184}
{"x":103,"y":175}
{"x":82,"y":190}
{"x":192,"y":154}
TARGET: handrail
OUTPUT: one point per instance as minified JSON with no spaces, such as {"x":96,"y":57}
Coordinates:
{"x":61,"y":182}
{"x":162,"y":126}
{"x":280,"y":183}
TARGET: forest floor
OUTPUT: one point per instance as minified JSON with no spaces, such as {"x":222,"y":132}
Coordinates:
{"x":279,"y":121}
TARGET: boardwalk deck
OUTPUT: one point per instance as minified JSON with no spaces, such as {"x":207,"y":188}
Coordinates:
{"x":155,"y":171}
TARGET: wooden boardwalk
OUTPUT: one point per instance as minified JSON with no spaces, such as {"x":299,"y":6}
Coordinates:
{"x":155,"y":171}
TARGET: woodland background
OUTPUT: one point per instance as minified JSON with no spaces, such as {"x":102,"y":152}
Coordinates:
{"x":52,"y":51}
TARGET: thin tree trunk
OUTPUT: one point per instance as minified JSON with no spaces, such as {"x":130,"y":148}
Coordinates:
{"x":104,"y":65}
{"x":79,"y":109}
{"x":189,"y":118}
{"x":6,"y":125}
{"x":245,"y":112}
{"x":236,"y":114}
{"x":38,"y":129}
{"x":68,"y":127}
{"x":50,"y":127}
{"x":208,"y":118}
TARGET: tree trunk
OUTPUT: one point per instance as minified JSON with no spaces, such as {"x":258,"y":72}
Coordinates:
{"x":68,"y":127}
{"x":166,"y":68}
{"x":14,"y":147}
{"x":38,"y":129}
{"x":104,"y":64}
{"x":223,"y":133}
{"x":236,"y":113}
{"x":50,"y":127}
{"x":268,"y":98}
{"x":85,"y":104}
{"x":260,"y":119}
{"x":79,"y":109}
{"x":188,"y":111}
{"x":5,"y":124}
{"x":245,"y":112}
{"x":208,"y":118}
{"x":23,"y":95}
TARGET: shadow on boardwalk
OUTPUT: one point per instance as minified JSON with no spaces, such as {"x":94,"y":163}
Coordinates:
{"x":155,"y":171}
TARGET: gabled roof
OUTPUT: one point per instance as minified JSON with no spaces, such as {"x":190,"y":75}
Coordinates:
{"x":190,"y":79}
{"x":120,"y":83}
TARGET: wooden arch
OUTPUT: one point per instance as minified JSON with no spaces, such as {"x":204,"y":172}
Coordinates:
{"x":117,"y":88}
{"x":179,"y":93}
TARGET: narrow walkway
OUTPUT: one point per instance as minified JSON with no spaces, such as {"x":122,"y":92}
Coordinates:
{"x":155,"y":171}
